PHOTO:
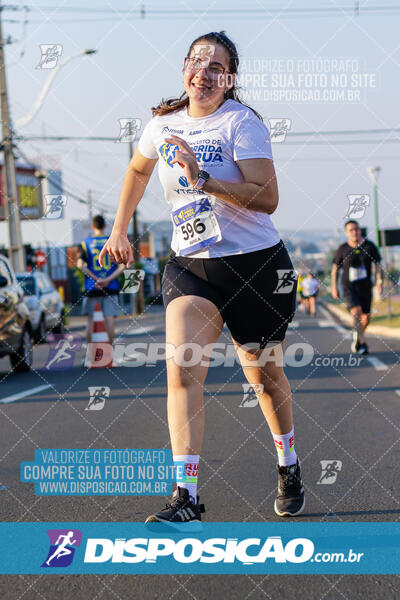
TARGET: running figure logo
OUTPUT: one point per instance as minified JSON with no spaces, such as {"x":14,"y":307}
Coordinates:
{"x":330,"y":470}
{"x":98,"y":395}
{"x":251,"y":392}
{"x":287,"y":279}
{"x":62,"y":351}
{"x":132,"y":280}
{"x":50,"y":55}
{"x":55,"y":206}
{"x":128,"y":129}
{"x":202,"y":54}
{"x":278,"y":129}
{"x":62,"y":547}
{"x":357,"y":205}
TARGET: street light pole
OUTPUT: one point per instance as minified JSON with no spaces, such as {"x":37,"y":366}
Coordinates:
{"x":15,"y":252}
{"x":373,"y":173}
{"x":26,"y":119}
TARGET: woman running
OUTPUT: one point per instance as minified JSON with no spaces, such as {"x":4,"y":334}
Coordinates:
{"x":228,"y":263}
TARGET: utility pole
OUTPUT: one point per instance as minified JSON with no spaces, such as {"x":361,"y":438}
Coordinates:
{"x":15,"y":252}
{"x":139,"y":297}
{"x":90,"y":206}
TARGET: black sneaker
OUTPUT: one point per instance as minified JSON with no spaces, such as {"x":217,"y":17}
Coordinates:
{"x":290,"y":500}
{"x":181,"y":513}
{"x":363,"y":349}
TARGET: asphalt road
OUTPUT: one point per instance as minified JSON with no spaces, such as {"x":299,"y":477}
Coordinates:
{"x":348,"y":413}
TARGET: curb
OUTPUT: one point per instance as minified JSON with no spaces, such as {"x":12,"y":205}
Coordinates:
{"x":393,"y":332}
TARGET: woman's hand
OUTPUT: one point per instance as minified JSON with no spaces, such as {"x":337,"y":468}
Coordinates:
{"x":119,"y":250}
{"x":185,"y":157}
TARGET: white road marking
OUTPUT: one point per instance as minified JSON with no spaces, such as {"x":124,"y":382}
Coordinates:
{"x":325,"y":323}
{"x":294,"y":324}
{"x":345,"y":333}
{"x":398,"y":392}
{"x":30,"y":392}
{"x":138,"y":330}
{"x":378,"y":364}
{"x":131,"y":355}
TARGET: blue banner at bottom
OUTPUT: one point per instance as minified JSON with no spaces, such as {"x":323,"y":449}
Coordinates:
{"x":218,"y":548}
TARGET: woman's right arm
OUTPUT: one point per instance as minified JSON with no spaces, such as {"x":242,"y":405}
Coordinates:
{"x":136,"y":179}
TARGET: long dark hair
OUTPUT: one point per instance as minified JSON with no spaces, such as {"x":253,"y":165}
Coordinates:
{"x":217,"y":37}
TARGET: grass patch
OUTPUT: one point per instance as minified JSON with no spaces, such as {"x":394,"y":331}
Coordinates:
{"x":379,"y":314}
{"x":380,"y":317}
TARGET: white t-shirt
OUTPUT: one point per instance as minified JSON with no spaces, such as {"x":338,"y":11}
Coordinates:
{"x":309,"y":286}
{"x":232,"y":132}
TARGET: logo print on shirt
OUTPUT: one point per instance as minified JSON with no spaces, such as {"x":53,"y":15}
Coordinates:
{"x":183,"y":181}
{"x":165,"y":129}
{"x":167,"y":152}
{"x":206,"y":153}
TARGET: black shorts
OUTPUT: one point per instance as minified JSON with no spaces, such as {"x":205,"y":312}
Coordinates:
{"x":358,"y":295}
{"x":254,"y":292}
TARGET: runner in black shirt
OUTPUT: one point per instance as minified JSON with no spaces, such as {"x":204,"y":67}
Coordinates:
{"x":355,"y":258}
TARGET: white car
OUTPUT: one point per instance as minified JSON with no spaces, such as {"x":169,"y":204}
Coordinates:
{"x":44,"y":303}
{"x":15,"y":324}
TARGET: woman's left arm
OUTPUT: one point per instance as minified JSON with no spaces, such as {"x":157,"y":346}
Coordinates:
{"x":258,"y":191}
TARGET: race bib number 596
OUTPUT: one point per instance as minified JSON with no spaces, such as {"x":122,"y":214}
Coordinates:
{"x":196,"y":226}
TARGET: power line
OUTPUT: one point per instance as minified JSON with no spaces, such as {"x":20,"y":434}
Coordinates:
{"x":144,"y":13}
{"x":184,"y":16}
{"x":24,"y":31}
{"x":56,"y":138}
{"x":296,"y":134}
{"x":346,"y":132}
{"x":338,"y":142}
{"x":77,"y":172}
{"x":57,"y":185}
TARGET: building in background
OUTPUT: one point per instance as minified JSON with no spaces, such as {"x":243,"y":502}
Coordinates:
{"x":29,"y":191}
{"x":33,"y":185}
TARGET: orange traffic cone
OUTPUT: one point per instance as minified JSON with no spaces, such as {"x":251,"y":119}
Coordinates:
{"x":99,"y":352}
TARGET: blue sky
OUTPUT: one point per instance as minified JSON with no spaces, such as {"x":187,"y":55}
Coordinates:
{"x":139,"y":61}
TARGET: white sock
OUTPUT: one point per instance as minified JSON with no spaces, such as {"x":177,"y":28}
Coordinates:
{"x":187,"y":477}
{"x":285,"y":448}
